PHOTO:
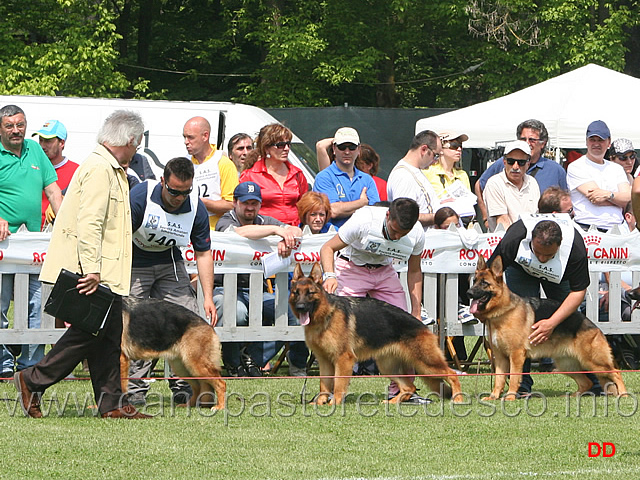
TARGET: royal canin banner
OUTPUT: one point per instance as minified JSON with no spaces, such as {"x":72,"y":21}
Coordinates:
{"x":444,"y":252}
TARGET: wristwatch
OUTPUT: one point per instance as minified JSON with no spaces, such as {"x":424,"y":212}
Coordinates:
{"x":611,"y":196}
{"x":326,"y":275}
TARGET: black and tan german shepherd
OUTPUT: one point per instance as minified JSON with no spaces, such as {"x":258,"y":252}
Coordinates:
{"x":576,"y":344}
{"x":156,"y":328}
{"x":342,"y":330}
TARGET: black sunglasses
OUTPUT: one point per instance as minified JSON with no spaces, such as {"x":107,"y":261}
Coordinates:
{"x":281,"y":145}
{"x":176,"y":193}
{"x":344,"y":146}
{"x":453,"y":145}
{"x":622,"y":158}
{"x":511,"y":161}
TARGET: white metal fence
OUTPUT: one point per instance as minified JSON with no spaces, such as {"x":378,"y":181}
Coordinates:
{"x":435,"y":285}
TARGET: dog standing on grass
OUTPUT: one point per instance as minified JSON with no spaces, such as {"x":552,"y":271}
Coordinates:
{"x":343,"y":330}
{"x":156,"y":328}
{"x":575,"y":344}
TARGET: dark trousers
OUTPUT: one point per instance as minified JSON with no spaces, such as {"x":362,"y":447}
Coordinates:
{"x":102,"y":353}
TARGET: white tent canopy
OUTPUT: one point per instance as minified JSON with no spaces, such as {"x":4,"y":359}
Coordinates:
{"x":565,"y":104}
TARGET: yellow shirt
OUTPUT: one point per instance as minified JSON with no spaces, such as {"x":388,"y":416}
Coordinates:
{"x":435,"y":173}
{"x":216,"y":178}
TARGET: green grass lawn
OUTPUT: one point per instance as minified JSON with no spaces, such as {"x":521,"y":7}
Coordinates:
{"x":266,"y":433}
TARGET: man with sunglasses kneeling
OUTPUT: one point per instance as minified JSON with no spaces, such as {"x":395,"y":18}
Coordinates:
{"x":347,"y":187}
{"x":511,"y":192}
{"x":165,"y":216}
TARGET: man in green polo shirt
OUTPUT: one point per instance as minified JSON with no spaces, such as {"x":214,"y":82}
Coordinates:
{"x":25,"y":171}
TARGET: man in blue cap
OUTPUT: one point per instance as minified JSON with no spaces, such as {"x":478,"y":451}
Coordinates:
{"x":246,"y":221}
{"x":52,"y":137}
{"x":599,"y":188}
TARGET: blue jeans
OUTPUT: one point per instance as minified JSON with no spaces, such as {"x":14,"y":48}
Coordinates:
{"x":260,"y":352}
{"x":31,"y":354}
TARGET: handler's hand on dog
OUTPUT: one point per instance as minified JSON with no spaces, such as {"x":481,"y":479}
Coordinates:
{"x":542,"y":330}
{"x":330,"y":285}
{"x":89,"y":283}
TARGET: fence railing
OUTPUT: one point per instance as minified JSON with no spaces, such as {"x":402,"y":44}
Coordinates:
{"x":440,"y":298}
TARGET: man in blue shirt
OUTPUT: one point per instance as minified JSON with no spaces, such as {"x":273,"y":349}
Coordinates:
{"x":167,"y":215}
{"x":547,"y":172}
{"x":347,"y":187}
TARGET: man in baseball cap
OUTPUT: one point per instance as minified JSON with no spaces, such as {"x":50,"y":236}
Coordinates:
{"x":347,"y":187}
{"x":511,"y":192}
{"x":246,"y":221}
{"x":246,"y":191}
{"x":599,"y":189}
{"x":52,"y":137}
{"x":52,"y":129}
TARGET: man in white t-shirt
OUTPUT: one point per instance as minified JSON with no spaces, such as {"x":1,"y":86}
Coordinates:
{"x":599,"y":188}
{"x":368,"y":242}
{"x":408,"y":180}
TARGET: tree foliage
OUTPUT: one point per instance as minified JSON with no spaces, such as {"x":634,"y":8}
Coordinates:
{"x":441,"y":53}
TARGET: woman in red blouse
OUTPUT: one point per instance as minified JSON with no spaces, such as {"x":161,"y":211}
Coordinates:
{"x":282,"y":183}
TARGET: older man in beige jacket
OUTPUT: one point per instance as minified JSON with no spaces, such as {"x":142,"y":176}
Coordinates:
{"x":92,"y":236}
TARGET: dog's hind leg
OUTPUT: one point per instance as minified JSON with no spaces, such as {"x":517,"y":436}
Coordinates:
{"x":390,"y":366}
{"x":428,"y":359}
{"x":124,"y":372}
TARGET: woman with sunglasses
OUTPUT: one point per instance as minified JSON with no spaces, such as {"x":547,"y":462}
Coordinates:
{"x":447,"y":171}
{"x":282,"y":183}
{"x":623,"y":154}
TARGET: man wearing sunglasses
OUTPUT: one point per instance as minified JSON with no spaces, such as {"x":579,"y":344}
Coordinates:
{"x":511,"y":192}
{"x":347,"y":187}
{"x":407,"y":178}
{"x":165,"y":216}
{"x":547,"y":172}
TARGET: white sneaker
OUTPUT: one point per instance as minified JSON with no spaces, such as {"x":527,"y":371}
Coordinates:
{"x":426,"y":319}
{"x":465,"y":316}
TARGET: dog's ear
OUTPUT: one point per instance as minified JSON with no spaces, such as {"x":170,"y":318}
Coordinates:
{"x":297,"y":273}
{"x":316,"y":273}
{"x":481,"y":263}
{"x":496,"y":266}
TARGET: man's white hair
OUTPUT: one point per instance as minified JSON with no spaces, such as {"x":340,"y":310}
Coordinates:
{"x":120,"y":128}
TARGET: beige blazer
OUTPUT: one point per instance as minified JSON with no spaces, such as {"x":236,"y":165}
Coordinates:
{"x":92,"y":231}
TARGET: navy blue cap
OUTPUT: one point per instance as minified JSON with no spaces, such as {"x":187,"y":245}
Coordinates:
{"x":598,"y":129}
{"x":247,"y":191}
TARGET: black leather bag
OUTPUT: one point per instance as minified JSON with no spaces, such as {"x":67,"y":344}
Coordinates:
{"x":86,"y":312}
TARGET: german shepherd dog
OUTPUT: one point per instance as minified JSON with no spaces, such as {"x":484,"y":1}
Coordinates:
{"x":576,"y":344}
{"x":341,"y":330}
{"x":156,"y":328}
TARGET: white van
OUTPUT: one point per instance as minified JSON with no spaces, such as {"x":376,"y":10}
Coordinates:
{"x":163,"y":121}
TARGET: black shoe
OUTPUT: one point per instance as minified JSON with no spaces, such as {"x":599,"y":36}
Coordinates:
{"x":181,"y":397}
{"x":138,"y":399}
{"x":596,"y":390}
{"x":6,"y":376}
{"x":252,"y":370}
{"x":239,"y":371}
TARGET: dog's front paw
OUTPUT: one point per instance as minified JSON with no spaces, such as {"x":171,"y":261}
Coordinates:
{"x":322,"y":399}
{"x":490,"y":397}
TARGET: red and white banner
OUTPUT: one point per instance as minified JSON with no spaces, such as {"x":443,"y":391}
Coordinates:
{"x":444,"y":252}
